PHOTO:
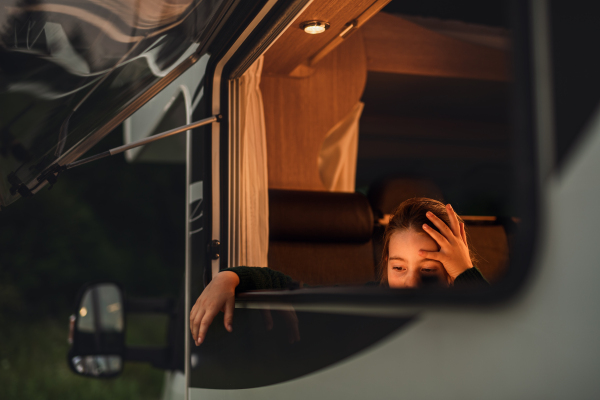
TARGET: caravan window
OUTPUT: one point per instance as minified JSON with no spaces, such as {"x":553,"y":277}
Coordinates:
{"x":322,"y":137}
{"x":411,"y":101}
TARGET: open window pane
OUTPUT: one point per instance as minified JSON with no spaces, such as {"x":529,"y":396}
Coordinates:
{"x":66,"y":71}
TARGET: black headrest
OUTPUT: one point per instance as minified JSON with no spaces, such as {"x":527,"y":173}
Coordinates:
{"x":385,"y":196}
{"x":319,"y":216}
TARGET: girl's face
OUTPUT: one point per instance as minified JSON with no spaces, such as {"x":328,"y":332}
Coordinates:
{"x":405,"y":268}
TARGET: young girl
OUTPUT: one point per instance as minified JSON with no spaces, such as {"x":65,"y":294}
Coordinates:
{"x":414,"y":253}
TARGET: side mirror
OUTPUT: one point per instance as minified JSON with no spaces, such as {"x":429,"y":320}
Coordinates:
{"x":97,"y":332}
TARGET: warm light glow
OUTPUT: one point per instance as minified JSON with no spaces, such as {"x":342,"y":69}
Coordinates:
{"x":113,"y":307}
{"x":315,"y":27}
{"x":83,"y":311}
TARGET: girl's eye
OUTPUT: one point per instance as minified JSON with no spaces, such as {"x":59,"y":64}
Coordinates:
{"x":398,"y":268}
{"x":428,"y":270}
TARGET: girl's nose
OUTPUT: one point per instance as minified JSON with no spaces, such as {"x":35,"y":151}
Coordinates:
{"x":413,"y":279}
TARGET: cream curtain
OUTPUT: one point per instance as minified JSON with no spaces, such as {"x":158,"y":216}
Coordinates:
{"x":253,"y":195}
{"x":337,"y":158}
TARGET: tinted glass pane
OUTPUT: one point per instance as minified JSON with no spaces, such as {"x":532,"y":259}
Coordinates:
{"x":67,"y":68}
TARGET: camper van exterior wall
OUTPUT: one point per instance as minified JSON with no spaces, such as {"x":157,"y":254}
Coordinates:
{"x":532,"y":340}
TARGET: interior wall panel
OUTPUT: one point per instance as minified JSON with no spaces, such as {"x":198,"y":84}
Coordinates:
{"x":296,"y":127}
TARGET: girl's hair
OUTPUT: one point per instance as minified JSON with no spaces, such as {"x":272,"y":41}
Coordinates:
{"x":411,"y":214}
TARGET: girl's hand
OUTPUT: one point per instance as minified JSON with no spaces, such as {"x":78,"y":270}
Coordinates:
{"x":454,"y":251}
{"x":219,"y":295}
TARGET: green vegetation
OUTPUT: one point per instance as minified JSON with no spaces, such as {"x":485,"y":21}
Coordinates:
{"x":33,"y":366}
{"x":108,"y":220}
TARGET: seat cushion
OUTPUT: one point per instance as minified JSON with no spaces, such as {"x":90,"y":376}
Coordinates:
{"x":304,"y":216}
{"x":323,"y":263}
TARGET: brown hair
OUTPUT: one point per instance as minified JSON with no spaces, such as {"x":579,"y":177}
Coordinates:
{"x":411,"y":214}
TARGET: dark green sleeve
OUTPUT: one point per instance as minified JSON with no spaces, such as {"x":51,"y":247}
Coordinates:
{"x":255,"y":278}
{"x":470,"y":278}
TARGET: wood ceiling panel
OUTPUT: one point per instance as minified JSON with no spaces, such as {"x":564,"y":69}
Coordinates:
{"x":295,"y":46}
{"x":395,"y":45}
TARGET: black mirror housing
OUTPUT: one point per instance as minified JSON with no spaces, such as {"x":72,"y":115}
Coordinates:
{"x":97,"y":331}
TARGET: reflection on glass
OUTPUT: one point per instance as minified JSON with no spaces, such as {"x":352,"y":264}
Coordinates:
{"x":111,"y":314}
{"x":85,"y":322}
{"x":66,"y":70}
{"x":105,"y":301}
{"x":97,"y":365}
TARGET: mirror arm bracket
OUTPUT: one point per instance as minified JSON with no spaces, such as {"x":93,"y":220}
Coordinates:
{"x":159,"y":305}
{"x":157,"y":357}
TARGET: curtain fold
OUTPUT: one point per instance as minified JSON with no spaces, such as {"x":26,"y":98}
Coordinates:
{"x":253,"y":187}
{"x":339,"y":151}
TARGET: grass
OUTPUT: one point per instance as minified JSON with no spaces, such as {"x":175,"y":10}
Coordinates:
{"x":33,"y":366}
{"x":146,"y":330}
{"x":112,"y":222}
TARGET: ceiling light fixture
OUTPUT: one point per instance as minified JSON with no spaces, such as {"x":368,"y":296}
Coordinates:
{"x":314,"y":27}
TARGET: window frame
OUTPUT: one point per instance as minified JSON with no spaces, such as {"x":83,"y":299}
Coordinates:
{"x":527,"y":185}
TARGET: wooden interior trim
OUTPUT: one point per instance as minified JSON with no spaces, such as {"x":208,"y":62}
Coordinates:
{"x":349,"y":28}
{"x":299,"y":112}
{"x":478,"y":218}
{"x":295,"y":47}
{"x":385,"y":221}
{"x":396,"y":45}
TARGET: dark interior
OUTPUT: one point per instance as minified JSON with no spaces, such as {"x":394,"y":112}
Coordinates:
{"x":454,"y":132}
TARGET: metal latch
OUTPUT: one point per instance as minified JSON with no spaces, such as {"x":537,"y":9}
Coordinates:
{"x":214,"y":248}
